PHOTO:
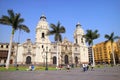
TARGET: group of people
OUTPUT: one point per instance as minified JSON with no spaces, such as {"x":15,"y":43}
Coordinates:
{"x":66,"y":66}
{"x":86,"y":67}
{"x":31,"y":68}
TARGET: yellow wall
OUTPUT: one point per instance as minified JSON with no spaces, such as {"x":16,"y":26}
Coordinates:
{"x":118,"y":45}
{"x":103,"y":52}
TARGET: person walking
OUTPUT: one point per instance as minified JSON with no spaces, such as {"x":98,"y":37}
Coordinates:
{"x":68,"y":68}
{"x":92,"y":67}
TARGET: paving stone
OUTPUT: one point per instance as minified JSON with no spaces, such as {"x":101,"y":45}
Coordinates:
{"x":108,"y":73}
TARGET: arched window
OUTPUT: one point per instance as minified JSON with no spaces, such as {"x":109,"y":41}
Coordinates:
{"x":66,"y":59}
{"x":54,"y":60}
{"x":43,"y":35}
{"x":28,"y":60}
{"x":81,"y":40}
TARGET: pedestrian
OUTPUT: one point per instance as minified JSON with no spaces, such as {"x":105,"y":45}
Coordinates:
{"x":92,"y":67}
{"x":32,"y":67}
{"x":68,"y":68}
{"x":87,"y":67}
{"x":84,"y":67}
{"x":29,"y":69}
{"x":17,"y":67}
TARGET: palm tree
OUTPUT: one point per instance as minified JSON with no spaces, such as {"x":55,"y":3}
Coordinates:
{"x":14,"y":20}
{"x":90,"y":37}
{"x":57,"y":30}
{"x":111,"y":38}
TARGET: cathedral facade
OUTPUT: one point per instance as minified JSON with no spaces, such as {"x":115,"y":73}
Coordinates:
{"x":43,"y":49}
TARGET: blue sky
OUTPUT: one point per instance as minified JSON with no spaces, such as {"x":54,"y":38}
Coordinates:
{"x":103,"y":15}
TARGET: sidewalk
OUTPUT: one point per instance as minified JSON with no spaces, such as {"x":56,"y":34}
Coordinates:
{"x":108,"y":73}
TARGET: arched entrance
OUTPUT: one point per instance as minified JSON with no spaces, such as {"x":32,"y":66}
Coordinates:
{"x":76,"y":61}
{"x":11,"y":61}
{"x":54,"y":60}
{"x":28,"y":60}
{"x":66,"y":59}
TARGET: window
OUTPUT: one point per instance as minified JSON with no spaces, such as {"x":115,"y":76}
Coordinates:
{"x":42,"y":46}
{"x":6,"y":46}
{"x":1,"y":46}
{"x":12,"y":46}
{"x":54,"y":47}
{"x":81,"y":40}
{"x":11,"y":53}
{"x":54,"y":60}
{"x":43,"y":35}
{"x":76,"y":41}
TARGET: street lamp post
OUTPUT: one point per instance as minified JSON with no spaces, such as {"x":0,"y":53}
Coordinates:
{"x":46,"y":66}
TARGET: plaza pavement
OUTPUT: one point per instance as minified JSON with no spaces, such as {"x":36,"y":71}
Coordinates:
{"x":107,"y":73}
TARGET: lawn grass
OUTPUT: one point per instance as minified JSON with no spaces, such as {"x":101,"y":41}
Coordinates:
{"x":24,"y":68}
{"x":12,"y":68}
{"x":39,"y":68}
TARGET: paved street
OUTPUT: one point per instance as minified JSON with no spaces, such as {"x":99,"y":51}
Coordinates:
{"x":111,"y":73}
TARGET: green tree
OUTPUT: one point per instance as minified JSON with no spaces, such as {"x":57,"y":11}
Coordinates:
{"x":90,"y":37}
{"x":111,"y":38}
{"x":57,"y":30}
{"x":14,"y":20}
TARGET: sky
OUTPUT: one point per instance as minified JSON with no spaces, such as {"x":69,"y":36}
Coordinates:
{"x":103,"y":15}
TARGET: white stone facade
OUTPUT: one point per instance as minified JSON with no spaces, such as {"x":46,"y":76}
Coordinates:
{"x":68,"y":52}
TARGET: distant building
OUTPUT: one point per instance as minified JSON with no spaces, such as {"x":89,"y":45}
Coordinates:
{"x":68,"y":52}
{"x":118,"y":45}
{"x":4,"y":47}
{"x":103,"y":52}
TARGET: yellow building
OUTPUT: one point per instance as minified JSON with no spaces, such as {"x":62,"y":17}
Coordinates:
{"x":118,"y":45}
{"x":103,"y":52}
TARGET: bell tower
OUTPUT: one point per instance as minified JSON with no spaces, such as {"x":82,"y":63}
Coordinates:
{"x":42,"y":39}
{"x":41,"y":31}
{"x":80,"y":40}
{"x":78,"y":35}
